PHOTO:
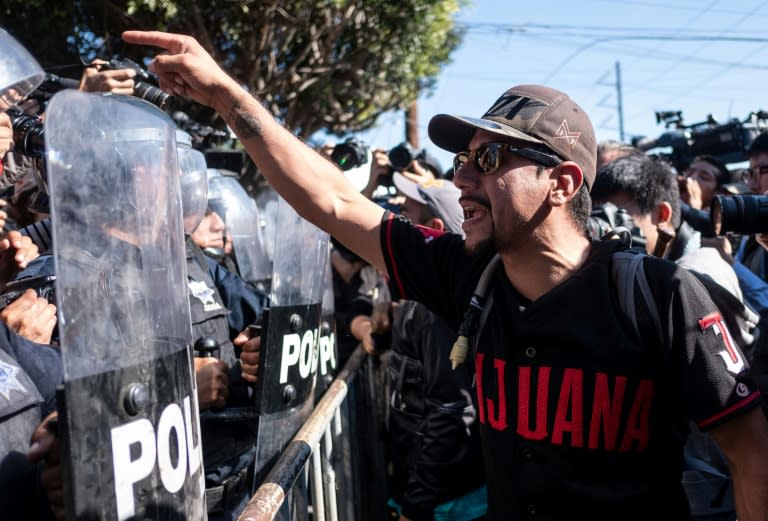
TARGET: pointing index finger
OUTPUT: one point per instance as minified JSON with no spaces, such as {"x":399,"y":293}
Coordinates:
{"x":168,"y":41}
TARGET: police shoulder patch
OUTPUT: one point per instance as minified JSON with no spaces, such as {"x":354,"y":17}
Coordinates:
{"x":8,"y":381}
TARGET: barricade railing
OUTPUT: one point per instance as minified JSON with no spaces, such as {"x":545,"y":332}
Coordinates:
{"x":324,"y":425}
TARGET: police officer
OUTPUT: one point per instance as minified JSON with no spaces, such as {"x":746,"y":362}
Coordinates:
{"x":222,"y":306}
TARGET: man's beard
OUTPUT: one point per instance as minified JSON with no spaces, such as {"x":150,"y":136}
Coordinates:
{"x":486,"y":247}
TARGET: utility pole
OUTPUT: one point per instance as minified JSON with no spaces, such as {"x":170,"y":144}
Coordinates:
{"x":412,"y":124}
{"x":619,"y":104}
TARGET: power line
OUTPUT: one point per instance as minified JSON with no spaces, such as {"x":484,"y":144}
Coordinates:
{"x":589,"y":31}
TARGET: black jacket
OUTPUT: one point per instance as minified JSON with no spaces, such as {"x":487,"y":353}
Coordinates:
{"x":433,"y":420}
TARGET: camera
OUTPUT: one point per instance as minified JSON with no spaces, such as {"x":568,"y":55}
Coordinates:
{"x":350,"y":154}
{"x":607,"y":219}
{"x":44,"y":285}
{"x":28,"y":133}
{"x":400,"y":156}
{"x":727,"y":142}
{"x":203,"y":136}
{"x":141,"y":88}
{"x":45,"y":91}
{"x":743,"y":214}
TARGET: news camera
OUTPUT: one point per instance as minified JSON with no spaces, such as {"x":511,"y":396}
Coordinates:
{"x":727,"y":142}
{"x":143,"y":82}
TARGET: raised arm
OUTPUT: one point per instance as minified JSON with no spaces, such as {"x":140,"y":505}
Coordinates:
{"x":310,"y":183}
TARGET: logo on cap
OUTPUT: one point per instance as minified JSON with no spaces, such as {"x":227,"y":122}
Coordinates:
{"x":563,"y":132}
{"x":517,"y":110}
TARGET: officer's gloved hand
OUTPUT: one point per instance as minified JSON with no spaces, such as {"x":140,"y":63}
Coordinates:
{"x":249,"y":341}
{"x":212,"y":382}
{"x":44,"y":446}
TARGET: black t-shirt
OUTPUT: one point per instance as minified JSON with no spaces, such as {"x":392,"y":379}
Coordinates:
{"x":579,"y":418}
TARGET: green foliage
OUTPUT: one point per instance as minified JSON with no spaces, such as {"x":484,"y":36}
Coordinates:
{"x":332,"y":65}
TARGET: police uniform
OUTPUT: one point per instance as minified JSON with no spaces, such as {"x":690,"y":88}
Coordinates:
{"x":29,"y":373}
{"x":580,"y":419}
{"x":222,"y":305}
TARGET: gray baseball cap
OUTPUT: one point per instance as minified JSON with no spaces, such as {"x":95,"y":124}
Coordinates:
{"x":440,"y":195}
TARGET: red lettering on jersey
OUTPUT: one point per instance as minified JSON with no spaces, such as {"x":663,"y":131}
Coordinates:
{"x":731,"y":356}
{"x":569,"y":416}
{"x":639,"y":418}
{"x":606,"y":411}
{"x":533,"y":413}
{"x":539,"y":431}
{"x":497,"y":421}
{"x":479,"y":359}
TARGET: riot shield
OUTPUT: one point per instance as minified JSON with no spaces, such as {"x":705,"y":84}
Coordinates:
{"x":128,"y":409}
{"x":289,"y":355}
{"x":20,"y":73}
{"x":267,"y":201}
{"x":327,"y":352}
{"x":228,"y":198}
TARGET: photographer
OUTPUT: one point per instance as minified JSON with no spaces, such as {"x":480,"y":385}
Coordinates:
{"x":750,"y":260}
{"x":415,"y":166}
{"x":704,"y":178}
{"x":647,"y":189}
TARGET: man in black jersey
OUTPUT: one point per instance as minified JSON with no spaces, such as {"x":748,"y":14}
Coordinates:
{"x":580,"y":418}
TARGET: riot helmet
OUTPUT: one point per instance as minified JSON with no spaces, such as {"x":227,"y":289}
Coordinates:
{"x":194,"y":181}
{"x":229,"y":200}
{"x":20,"y":73}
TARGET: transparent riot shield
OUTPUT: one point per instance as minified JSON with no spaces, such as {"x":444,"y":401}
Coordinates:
{"x":228,"y":198}
{"x":289,"y":354}
{"x":267,"y":201}
{"x":20,"y":73}
{"x":128,"y":409}
{"x":327,"y":352}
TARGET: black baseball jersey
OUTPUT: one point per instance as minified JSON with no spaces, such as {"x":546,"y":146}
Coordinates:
{"x":580,"y":418}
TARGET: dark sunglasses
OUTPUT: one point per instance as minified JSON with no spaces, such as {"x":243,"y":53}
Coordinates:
{"x":487,"y":157}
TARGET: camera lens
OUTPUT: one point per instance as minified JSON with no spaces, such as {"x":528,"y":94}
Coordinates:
{"x":152,"y":94}
{"x":401,"y":156}
{"x":743,"y":214}
{"x":28,"y":134}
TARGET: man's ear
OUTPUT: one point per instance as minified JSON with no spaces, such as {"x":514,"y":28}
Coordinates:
{"x":568,"y":179}
{"x":437,"y":223}
{"x":663,"y":213}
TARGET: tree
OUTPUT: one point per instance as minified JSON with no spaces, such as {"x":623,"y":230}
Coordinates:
{"x":332,"y":65}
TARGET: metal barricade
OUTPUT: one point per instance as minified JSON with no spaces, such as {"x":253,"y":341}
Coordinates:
{"x":327,"y":455}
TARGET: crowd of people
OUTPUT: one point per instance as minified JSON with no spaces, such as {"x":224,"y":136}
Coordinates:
{"x":528,"y":373}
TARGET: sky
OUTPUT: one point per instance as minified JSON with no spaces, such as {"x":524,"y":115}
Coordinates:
{"x":700,"y":57}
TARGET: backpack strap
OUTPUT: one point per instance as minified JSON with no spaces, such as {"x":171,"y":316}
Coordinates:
{"x":627,"y":273}
{"x":471,"y":323}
